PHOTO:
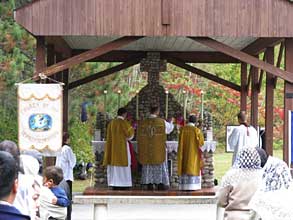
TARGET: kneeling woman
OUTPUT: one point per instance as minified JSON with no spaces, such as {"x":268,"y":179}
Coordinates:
{"x":239,"y":185}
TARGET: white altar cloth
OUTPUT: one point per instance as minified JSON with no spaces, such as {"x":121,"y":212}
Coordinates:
{"x":172,"y":146}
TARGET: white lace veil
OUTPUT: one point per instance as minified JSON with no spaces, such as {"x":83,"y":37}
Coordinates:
{"x":246,"y":167}
{"x":274,"y":198}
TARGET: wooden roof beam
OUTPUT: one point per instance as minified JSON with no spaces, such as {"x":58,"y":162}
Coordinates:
{"x":60,"y":45}
{"x":200,"y":57}
{"x":68,"y":63}
{"x":212,"y":77}
{"x":244,"y":57}
{"x":114,"y":56}
{"x":260,"y":44}
{"x":188,"y":57}
{"x":103,"y":73}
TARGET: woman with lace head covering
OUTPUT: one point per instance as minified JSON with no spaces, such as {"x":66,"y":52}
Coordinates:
{"x":239,"y":185}
{"x":274,"y":197}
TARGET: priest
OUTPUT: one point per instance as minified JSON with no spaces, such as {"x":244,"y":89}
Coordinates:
{"x":117,"y":153}
{"x":189,"y":155}
{"x":151,"y":138}
{"x":243,"y":135}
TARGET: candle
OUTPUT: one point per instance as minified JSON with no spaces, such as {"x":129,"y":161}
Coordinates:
{"x":167,"y":103}
{"x":201,"y":107}
{"x":105,"y":100}
{"x":119,"y":94}
{"x":184,"y":105}
{"x":137,"y":100}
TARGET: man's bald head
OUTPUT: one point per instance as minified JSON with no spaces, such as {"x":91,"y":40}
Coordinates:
{"x":242,"y":117}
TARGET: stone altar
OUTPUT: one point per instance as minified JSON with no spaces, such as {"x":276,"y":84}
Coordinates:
{"x":208,"y":169}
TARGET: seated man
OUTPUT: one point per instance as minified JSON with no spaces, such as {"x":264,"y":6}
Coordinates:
{"x":8,"y":188}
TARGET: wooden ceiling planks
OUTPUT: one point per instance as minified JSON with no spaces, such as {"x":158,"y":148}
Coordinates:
{"x":234,"y":18}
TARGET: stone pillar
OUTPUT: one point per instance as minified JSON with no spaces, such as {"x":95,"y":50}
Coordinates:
{"x":207,"y":180}
{"x":153,"y":65}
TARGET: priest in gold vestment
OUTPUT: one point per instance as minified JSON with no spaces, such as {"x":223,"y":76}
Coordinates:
{"x":189,"y":156}
{"x":151,"y":138}
{"x":117,"y":153}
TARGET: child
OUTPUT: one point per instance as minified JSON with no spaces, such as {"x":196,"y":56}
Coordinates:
{"x":53,"y":199}
{"x":52,"y":177}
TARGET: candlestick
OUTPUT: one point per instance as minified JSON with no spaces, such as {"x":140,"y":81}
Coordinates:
{"x":167,"y":103}
{"x":184,"y":105}
{"x":119,"y":95}
{"x":137,"y":100}
{"x":105,"y":115}
{"x":201,"y":111}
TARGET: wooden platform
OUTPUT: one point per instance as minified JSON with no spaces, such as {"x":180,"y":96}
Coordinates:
{"x":139,"y":192}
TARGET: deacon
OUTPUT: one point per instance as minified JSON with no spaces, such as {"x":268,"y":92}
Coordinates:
{"x":189,"y":155}
{"x":243,"y":135}
{"x":151,"y":138}
{"x":117,"y":153}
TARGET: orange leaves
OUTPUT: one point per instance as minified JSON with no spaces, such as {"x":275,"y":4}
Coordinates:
{"x":10,"y":43}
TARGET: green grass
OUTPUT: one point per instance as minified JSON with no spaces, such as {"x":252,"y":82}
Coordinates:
{"x":222,"y":164}
{"x":80,"y":185}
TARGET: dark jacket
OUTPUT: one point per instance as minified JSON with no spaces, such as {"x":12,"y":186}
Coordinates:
{"x":11,"y":213}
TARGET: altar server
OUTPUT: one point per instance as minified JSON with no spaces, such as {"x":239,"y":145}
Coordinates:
{"x":189,"y":155}
{"x":152,"y":154}
{"x":117,"y":153}
{"x":243,"y":135}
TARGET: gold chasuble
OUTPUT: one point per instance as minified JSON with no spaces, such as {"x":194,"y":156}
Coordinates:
{"x":190,"y":141}
{"x":151,"y":140}
{"x":118,"y":132}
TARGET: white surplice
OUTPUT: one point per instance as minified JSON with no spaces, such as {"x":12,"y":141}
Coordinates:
{"x":242,"y":136}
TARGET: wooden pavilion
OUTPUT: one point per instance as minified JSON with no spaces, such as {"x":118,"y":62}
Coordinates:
{"x":70,"y":32}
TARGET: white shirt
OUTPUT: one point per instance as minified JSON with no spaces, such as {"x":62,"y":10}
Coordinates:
{"x":66,"y":160}
{"x":240,"y":138}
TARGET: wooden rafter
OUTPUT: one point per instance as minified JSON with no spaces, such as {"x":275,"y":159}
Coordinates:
{"x":103,"y":73}
{"x":60,"y":45}
{"x":189,"y":57}
{"x":200,"y":57}
{"x":180,"y":63}
{"x":88,"y":55}
{"x":114,"y":56}
{"x":244,"y":57}
{"x":260,"y":44}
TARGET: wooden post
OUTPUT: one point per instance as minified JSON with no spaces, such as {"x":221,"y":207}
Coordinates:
{"x":254,"y":97}
{"x":40,"y":55}
{"x":269,"y":115}
{"x":51,"y":60}
{"x":288,"y":96}
{"x":65,"y":80}
{"x":49,"y":161}
{"x":243,"y":98}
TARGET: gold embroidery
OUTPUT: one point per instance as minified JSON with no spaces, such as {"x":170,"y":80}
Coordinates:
{"x":32,"y":96}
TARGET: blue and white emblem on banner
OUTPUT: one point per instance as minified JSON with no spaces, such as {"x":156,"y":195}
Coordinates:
{"x":40,"y":117}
